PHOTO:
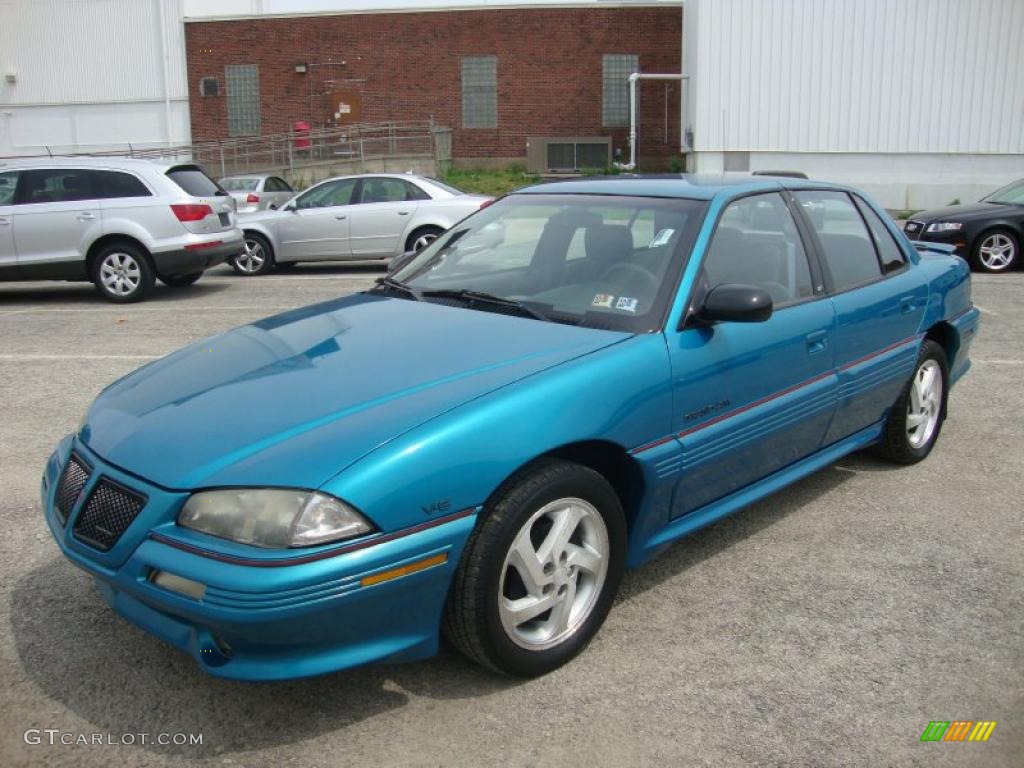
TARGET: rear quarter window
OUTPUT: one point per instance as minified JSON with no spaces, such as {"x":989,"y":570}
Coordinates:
{"x":194,"y":182}
{"x":115,"y":184}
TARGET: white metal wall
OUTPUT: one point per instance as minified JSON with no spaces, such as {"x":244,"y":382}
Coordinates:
{"x":879,"y":76}
{"x":91,"y":74}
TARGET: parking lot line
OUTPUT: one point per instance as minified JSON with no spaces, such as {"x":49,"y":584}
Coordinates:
{"x":986,"y":311}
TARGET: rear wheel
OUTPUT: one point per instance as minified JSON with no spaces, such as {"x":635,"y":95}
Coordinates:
{"x":121,"y":273}
{"x":539,"y":573}
{"x":257,"y":259}
{"x":181,"y":281}
{"x":421,"y":238}
{"x":915,"y":421}
{"x":996,"y":251}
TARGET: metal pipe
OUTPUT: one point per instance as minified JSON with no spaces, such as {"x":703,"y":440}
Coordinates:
{"x":161,"y":11}
{"x":633,"y":78}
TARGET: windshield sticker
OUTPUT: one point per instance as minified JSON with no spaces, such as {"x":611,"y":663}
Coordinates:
{"x":626,"y":303}
{"x":603,"y":300}
{"x":662,"y":238}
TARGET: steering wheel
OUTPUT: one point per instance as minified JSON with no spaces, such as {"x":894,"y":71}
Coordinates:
{"x":631,"y":270}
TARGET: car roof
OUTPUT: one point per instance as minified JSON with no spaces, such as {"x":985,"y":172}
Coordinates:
{"x":112,"y":161}
{"x":694,"y":187}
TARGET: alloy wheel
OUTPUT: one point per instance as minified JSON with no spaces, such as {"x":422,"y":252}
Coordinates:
{"x":254,"y":257}
{"x":997,"y":252}
{"x":120,"y":273}
{"x":924,"y":407}
{"x":423,"y":241}
{"x":553,"y":574}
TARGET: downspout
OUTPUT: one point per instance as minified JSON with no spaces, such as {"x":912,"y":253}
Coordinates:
{"x":633,"y":78}
{"x":161,"y":11}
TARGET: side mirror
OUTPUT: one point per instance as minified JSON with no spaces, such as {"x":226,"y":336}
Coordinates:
{"x":272,"y":206}
{"x":400,"y":261}
{"x":732,"y":302}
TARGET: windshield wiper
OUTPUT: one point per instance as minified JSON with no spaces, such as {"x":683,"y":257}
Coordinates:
{"x":479,"y":297}
{"x":397,"y":285}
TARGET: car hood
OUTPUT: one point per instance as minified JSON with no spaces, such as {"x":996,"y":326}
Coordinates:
{"x":955,"y":212}
{"x":294,"y":399}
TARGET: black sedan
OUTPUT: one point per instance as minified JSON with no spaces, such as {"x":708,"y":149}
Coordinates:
{"x":987,"y":233}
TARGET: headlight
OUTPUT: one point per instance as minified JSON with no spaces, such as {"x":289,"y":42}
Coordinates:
{"x":945,"y":226}
{"x":272,"y":517}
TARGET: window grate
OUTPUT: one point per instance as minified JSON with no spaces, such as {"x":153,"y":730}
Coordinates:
{"x":243,"y":86}
{"x":479,"y":91}
{"x":617,"y":67}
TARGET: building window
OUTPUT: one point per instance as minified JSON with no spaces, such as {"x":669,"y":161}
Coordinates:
{"x":243,"y":86}
{"x":617,"y":67}
{"x":479,"y":91}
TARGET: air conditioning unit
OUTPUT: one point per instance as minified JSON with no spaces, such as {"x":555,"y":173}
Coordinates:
{"x":558,"y":154}
{"x":209,"y":86}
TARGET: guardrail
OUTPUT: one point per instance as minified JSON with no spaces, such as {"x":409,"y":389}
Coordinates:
{"x":288,"y":151}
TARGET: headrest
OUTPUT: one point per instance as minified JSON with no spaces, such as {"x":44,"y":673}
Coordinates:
{"x":606,"y":243}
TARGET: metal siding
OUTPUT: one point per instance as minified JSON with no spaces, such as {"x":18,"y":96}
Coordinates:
{"x":95,"y":50}
{"x":875,"y":76}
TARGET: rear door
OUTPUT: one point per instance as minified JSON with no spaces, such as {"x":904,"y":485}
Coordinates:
{"x":56,"y":216}
{"x":386,"y":206}
{"x":751,"y":398}
{"x":879,"y":302}
{"x":317,"y":226}
{"x":8,"y":258}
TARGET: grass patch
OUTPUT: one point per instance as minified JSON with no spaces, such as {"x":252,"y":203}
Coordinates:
{"x":494,"y":182}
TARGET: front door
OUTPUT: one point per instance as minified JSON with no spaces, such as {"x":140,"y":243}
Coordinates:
{"x":386,"y":206}
{"x":879,"y":306}
{"x":318,"y":226}
{"x":752,"y":398}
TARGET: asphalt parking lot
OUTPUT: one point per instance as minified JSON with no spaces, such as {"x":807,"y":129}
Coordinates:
{"x":825,"y":626}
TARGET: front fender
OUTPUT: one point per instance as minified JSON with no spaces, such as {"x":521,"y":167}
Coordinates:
{"x":621,"y":394}
{"x":264,"y":228}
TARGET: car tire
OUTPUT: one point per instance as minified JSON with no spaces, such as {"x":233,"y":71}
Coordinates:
{"x":915,"y":421}
{"x":181,"y":281}
{"x":422,"y":237}
{"x":572,"y":522}
{"x":122,"y":273}
{"x":997,"y":250}
{"x":258,"y":258}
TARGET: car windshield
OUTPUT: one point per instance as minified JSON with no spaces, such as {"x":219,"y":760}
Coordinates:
{"x":593,"y":260}
{"x":239,"y":185}
{"x":1011,"y":194}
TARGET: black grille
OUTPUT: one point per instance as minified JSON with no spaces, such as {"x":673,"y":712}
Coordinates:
{"x":72,"y":481}
{"x":111,"y":508}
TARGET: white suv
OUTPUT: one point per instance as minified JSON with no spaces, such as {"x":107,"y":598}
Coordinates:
{"x":118,"y":222}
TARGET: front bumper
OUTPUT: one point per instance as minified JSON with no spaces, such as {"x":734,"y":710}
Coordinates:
{"x":259,"y":620}
{"x":918,"y":230}
{"x":189,"y":260}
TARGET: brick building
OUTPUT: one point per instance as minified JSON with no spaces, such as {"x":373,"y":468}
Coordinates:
{"x":496,"y":76}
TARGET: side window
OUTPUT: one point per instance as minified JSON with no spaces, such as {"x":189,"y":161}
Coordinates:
{"x":412,"y":192}
{"x":377,"y":190}
{"x":109,"y":184}
{"x":757,"y":243}
{"x":8,"y":183}
{"x":328,"y":194}
{"x":55,"y":186}
{"x":275,"y":184}
{"x":848,"y":248}
{"x":889,"y":252}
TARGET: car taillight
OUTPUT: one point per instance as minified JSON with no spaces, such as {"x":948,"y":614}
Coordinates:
{"x":252,"y":198}
{"x":485,"y":203}
{"x":191,"y":211}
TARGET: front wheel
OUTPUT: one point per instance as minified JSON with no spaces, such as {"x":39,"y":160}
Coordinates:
{"x":996,"y":251}
{"x":257,"y":259}
{"x":539,"y":572}
{"x":421,"y":238}
{"x":915,"y":421}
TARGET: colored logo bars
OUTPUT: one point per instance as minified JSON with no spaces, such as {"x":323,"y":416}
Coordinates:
{"x":958,"y":730}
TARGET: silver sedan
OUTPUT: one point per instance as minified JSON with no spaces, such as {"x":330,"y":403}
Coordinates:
{"x":257,"y":193}
{"x":348,"y":218}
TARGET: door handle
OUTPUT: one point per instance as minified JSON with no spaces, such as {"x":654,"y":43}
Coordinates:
{"x":5,"y":222}
{"x":86,"y":216}
{"x":817,"y":342}
{"x":403,"y":213}
{"x":341,"y":218}
{"x":907,"y":304}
